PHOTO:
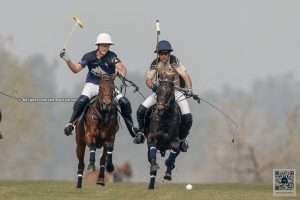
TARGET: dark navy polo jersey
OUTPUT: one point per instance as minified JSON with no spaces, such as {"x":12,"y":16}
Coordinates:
{"x":105,"y":65}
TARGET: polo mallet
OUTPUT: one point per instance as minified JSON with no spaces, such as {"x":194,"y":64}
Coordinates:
{"x":77,"y":23}
{"x":157,"y":26}
{"x":157,"y":32}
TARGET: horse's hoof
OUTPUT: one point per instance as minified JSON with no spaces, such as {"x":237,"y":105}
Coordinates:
{"x":79,"y":185}
{"x":100,"y":182}
{"x":168,"y":177}
{"x":151,"y":183}
{"x":91,"y":167}
{"x":151,"y":186}
{"x":79,"y":182}
{"x":110,"y":168}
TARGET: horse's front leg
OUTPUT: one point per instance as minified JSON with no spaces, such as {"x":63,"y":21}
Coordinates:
{"x":109,"y":164}
{"x":100,"y":179}
{"x":80,"y":150}
{"x":170,"y":164}
{"x":91,"y":165}
{"x":173,"y":130}
{"x":152,"y":150}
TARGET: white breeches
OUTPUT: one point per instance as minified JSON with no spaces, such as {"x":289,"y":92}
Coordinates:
{"x":180,"y":98}
{"x":91,"y":89}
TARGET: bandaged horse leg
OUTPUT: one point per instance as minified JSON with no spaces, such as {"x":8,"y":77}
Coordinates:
{"x":109,"y":164}
{"x":174,"y":145}
{"x":91,"y":165}
{"x":152,"y":150}
{"x":186,"y":124}
{"x":170,"y":164}
{"x":80,"y":150}
{"x":100,"y":179}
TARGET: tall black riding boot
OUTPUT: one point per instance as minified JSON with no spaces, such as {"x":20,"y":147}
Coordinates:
{"x":77,"y":110}
{"x":140,"y":113}
{"x":186,"y":124}
{"x":126,"y":114}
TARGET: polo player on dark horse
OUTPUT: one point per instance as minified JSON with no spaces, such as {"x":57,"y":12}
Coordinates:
{"x":166,"y":125}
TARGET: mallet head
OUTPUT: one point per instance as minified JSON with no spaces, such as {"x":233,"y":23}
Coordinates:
{"x":78,"y":21}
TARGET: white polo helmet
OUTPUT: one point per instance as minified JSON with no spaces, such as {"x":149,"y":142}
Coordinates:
{"x":104,"y":38}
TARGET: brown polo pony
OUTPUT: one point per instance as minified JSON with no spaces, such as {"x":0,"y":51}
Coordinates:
{"x":97,"y":128}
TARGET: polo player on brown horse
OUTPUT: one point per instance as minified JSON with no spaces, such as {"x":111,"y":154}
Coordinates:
{"x":98,"y":127}
{"x":100,"y":61}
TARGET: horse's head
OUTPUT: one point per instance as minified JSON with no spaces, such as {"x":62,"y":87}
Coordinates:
{"x":106,"y":91}
{"x":165,"y":92}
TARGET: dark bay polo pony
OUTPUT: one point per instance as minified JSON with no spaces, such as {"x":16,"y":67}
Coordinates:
{"x":162,"y":127}
{"x":97,"y":128}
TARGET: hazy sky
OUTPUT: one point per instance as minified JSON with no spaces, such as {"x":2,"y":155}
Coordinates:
{"x":219,"y":41}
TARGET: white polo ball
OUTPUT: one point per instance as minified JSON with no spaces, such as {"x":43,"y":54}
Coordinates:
{"x":189,"y":187}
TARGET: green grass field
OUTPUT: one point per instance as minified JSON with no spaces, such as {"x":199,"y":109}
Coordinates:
{"x":52,"y":190}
